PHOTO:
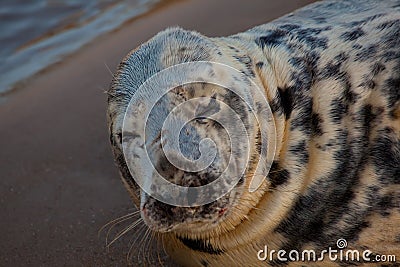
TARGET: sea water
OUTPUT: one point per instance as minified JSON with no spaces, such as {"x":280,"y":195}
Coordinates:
{"x":37,"y":33}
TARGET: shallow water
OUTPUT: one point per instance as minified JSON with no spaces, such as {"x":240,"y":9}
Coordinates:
{"x":35,"y":34}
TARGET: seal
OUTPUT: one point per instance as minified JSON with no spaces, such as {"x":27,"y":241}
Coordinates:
{"x":330,"y":73}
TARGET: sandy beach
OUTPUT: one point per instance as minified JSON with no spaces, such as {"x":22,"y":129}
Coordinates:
{"x":58,"y":183}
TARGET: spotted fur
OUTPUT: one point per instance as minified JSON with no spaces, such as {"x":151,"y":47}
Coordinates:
{"x":331,"y":74}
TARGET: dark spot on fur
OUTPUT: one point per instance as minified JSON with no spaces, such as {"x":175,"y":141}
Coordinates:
{"x":342,"y":57}
{"x":377,"y":68}
{"x":353,"y":35}
{"x":286,"y":101}
{"x":259,"y":64}
{"x":278,"y":175}
{"x":237,"y":104}
{"x":385,"y":154}
{"x":275,"y":104}
{"x":306,"y":71}
{"x":338,"y":109}
{"x":302,"y":119}
{"x":370,"y":84}
{"x":273,"y":38}
{"x":385,"y":204}
{"x":369,"y":115}
{"x":311,"y":37}
{"x":316,"y":120}
{"x":297,"y":62}
{"x":367,"y":52}
{"x":300,"y":151}
{"x":392,"y":90}
{"x":200,"y":245}
{"x":348,"y":95}
{"x":247,"y":62}
{"x":331,"y":69}
{"x":234,"y":49}
{"x":243,"y":59}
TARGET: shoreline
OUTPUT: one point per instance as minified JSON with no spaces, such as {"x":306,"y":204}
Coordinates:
{"x":59,"y":184}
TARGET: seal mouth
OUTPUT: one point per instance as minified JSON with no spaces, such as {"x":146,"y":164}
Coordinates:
{"x":163,"y":218}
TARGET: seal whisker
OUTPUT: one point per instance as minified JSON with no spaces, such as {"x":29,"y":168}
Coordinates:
{"x":151,"y":241}
{"x":109,"y":70}
{"x":146,"y":248}
{"x":139,"y":233}
{"x":142,"y":245}
{"x":123,"y":232}
{"x":121,"y":220}
{"x":118,"y":220}
{"x":159,"y":238}
{"x":162,"y":243}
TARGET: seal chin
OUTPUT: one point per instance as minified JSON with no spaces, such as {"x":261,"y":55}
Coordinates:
{"x":178,"y":227}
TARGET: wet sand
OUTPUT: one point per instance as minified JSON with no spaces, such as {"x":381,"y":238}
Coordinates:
{"x":58,"y":182}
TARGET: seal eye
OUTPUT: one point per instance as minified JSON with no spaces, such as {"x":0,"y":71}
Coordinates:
{"x":201,"y":120}
{"x":119,"y":138}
